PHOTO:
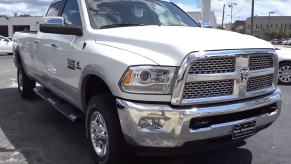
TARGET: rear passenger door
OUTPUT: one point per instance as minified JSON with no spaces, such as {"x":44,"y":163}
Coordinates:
{"x":43,"y":49}
{"x":66,"y":53}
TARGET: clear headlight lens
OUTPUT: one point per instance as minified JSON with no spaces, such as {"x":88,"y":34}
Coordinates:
{"x":148,"y":79}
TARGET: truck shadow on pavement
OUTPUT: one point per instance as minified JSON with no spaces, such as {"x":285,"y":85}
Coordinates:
{"x":31,"y":131}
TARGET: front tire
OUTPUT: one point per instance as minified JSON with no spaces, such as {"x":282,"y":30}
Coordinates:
{"x":103,"y":130}
{"x":284,"y":76}
{"x":25,"y":84}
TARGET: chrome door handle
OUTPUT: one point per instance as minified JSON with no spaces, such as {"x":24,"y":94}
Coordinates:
{"x":36,"y":41}
{"x":54,"y":45}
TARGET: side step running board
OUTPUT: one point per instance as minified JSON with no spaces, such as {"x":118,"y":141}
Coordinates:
{"x":70,"y":113}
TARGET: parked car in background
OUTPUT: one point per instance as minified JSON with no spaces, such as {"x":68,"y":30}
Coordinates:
{"x":280,"y":41}
{"x":274,"y":41}
{"x":5,"y":45}
{"x":205,"y":24}
{"x":12,"y":39}
{"x":284,"y":58}
{"x":287,"y":42}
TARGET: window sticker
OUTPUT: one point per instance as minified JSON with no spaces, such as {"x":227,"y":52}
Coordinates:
{"x":138,"y":12}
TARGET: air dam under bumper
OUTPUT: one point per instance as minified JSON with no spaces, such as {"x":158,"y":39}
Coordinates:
{"x":174,"y":130}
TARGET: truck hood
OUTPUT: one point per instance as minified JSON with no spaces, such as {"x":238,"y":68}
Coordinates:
{"x":168,"y":45}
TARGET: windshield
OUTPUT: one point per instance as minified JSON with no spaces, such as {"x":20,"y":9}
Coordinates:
{"x":144,"y":12}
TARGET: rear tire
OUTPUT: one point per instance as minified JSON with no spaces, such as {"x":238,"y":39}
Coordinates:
{"x":25,"y":84}
{"x":103,"y":130}
{"x":10,"y":53}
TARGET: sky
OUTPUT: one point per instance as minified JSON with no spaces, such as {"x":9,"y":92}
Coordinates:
{"x":241,"y":11}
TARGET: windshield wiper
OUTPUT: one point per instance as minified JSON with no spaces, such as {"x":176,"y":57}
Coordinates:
{"x":171,"y":24}
{"x":121,"y":25}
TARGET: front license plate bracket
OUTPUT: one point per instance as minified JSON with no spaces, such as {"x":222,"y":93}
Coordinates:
{"x":244,"y":129}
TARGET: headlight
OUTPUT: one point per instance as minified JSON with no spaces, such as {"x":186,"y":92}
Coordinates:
{"x":148,"y":79}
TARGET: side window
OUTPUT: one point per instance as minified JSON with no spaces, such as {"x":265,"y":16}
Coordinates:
{"x":54,"y":9}
{"x":71,"y":13}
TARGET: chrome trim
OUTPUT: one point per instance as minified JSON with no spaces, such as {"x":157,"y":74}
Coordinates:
{"x":208,"y":77}
{"x":262,"y":72}
{"x":225,"y":76}
{"x":175,"y":131}
{"x":258,"y":92}
{"x":233,"y":122}
{"x":239,"y":87}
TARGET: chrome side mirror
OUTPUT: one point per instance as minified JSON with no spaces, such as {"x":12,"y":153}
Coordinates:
{"x":56,"y":25}
{"x":53,"y":20}
{"x":205,"y":24}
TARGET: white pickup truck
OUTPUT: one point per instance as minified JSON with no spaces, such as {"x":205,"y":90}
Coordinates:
{"x":147,"y":77}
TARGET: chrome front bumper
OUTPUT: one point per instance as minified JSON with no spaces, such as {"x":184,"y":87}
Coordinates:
{"x":175,"y":130}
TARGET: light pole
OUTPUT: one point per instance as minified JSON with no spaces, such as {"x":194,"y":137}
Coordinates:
{"x":223,"y":15}
{"x":231,"y":6}
{"x":269,"y":18}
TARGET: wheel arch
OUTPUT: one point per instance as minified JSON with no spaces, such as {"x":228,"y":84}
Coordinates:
{"x":18,"y":60}
{"x":91,"y":85}
{"x":284,"y":61}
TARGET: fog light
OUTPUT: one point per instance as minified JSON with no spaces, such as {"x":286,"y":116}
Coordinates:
{"x":152,"y":123}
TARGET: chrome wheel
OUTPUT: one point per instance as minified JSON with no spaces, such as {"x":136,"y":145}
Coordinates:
{"x":285,"y":74}
{"x":99,"y":135}
{"x":20,"y":80}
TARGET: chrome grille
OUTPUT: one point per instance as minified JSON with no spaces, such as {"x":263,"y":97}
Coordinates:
{"x":213,"y":65}
{"x":208,"y":89}
{"x":228,"y":75}
{"x":257,"y":62}
{"x":259,"y":82}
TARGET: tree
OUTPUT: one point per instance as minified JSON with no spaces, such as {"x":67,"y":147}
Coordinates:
{"x":289,"y":34}
{"x":3,"y":15}
{"x":24,"y":15}
{"x":273,"y":32}
{"x":285,"y":33}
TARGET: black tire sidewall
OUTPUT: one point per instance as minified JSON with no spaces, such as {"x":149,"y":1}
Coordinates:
{"x":27,"y":83}
{"x":103,"y":105}
{"x":18,"y":70}
{"x":281,"y":65}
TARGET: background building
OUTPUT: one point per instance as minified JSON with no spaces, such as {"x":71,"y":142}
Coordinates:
{"x":261,"y":24}
{"x":239,"y":26}
{"x":228,"y":26}
{"x":196,"y":15}
{"x":9,"y":25}
{"x":206,"y":10}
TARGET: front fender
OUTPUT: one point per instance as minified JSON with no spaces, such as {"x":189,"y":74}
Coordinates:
{"x":109,"y":64}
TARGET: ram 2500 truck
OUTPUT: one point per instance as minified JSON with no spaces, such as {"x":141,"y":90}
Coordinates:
{"x":147,"y":77}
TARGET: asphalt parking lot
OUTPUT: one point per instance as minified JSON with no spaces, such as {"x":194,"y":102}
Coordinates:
{"x":33,"y":132}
